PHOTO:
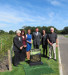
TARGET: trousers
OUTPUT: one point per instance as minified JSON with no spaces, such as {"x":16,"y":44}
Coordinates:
{"x":53,"y":47}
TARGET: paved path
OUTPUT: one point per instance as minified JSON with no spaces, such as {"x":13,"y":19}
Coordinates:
{"x":63,"y":45}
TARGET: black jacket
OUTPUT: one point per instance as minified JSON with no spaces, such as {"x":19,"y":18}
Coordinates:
{"x":17,"y":43}
{"x":44,"y":40}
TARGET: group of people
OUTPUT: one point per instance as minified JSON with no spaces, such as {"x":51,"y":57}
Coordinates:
{"x":22,"y":44}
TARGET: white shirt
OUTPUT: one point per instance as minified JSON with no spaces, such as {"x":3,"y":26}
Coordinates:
{"x":36,"y":33}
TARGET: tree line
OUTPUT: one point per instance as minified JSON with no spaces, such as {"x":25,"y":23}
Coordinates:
{"x":63,"y":31}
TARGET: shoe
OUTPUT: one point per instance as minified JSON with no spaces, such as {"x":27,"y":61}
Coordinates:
{"x":55,"y":59}
{"x":49,"y":58}
{"x":16,"y":65}
{"x":43,"y":55}
{"x":19,"y":64}
{"x":46,"y":56}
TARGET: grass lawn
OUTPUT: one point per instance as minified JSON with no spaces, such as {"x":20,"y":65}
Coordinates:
{"x":66,"y":36}
{"x":50,"y":67}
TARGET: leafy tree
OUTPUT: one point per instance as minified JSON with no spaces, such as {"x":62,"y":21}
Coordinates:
{"x":2,"y":31}
{"x":65,"y":30}
{"x":11,"y":32}
{"x":40,"y":29}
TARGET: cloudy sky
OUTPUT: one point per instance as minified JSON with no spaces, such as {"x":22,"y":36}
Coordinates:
{"x":14,"y":14}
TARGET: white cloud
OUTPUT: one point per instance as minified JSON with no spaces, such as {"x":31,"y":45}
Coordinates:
{"x":9,"y":17}
{"x":15,"y":16}
{"x":3,"y":25}
{"x":51,"y":14}
{"x":55,"y":2}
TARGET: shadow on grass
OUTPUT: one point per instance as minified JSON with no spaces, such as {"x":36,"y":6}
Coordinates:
{"x":44,"y":56}
{"x":27,"y":61}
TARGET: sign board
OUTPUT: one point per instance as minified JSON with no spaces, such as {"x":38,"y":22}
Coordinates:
{"x":35,"y":57}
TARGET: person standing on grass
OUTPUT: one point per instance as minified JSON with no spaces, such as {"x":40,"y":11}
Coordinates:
{"x":53,"y":43}
{"x":17,"y":47}
{"x":36,"y":38}
{"x":29,"y":43}
{"x":23,"y":52}
{"x":44,"y":42}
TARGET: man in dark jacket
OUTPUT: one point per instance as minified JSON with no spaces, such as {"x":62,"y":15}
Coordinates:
{"x":17,"y":47}
{"x":36,"y":38}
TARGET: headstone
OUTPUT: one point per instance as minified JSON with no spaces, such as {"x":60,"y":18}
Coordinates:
{"x":35,"y":57}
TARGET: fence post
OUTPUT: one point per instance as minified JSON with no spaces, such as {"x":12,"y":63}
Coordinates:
{"x":9,"y":61}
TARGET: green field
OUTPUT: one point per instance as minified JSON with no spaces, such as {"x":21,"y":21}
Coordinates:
{"x":66,"y":36}
{"x":6,"y":41}
{"x":49,"y":67}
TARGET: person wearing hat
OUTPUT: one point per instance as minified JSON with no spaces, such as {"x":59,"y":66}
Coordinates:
{"x":17,"y":47}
